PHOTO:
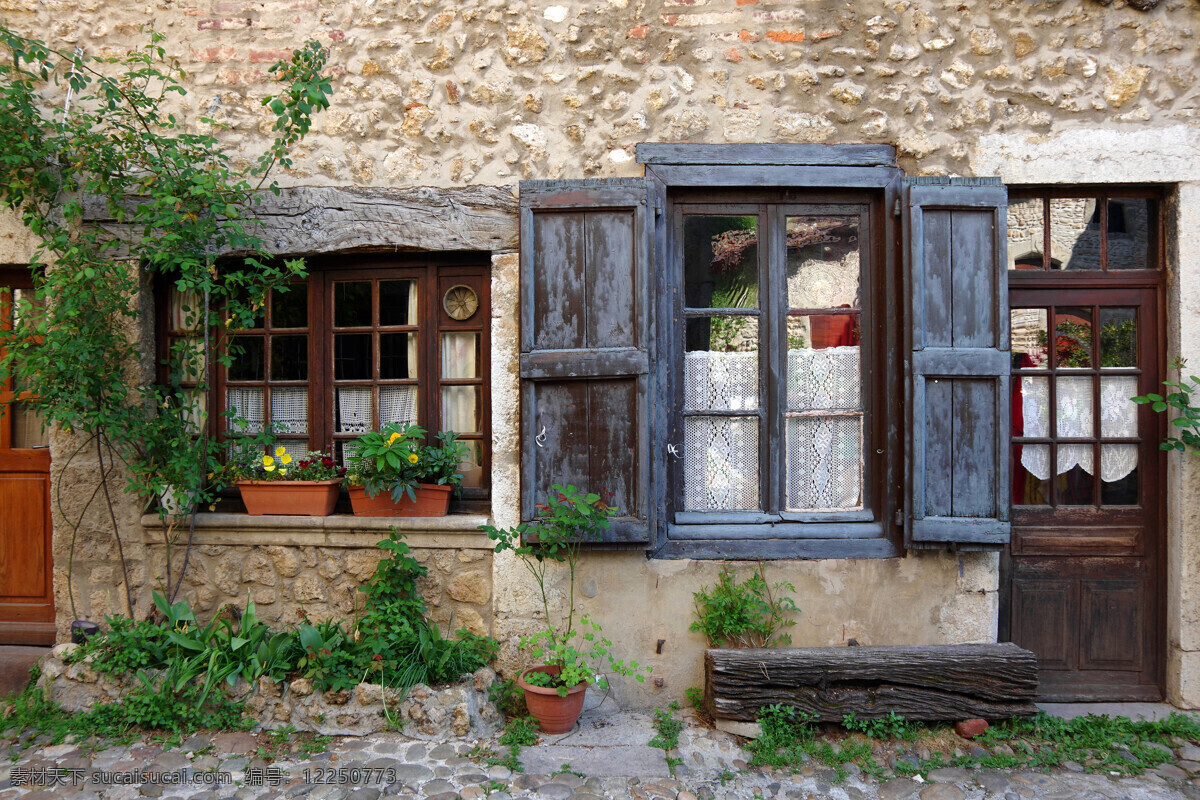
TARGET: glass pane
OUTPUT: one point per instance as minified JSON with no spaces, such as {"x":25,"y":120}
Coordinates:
{"x":824,"y":379}
{"x":27,"y":430}
{"x":6,"y":309}
{"x":397,"y":302}
{"x":471,"y":467}
{"x":823,"y":265}
{"x":1119,"y":474}
{"x":824,"y":463}
{"x":819,"y":331}
{"x":290,"y":309}
{"x":1129,"y":229}
{"x":397,"y":404}
{"x":1074,"y":233}
{"x":1026,"y":234}
{"x":1031,"y":474}
{"x":249,"y":356}
{"x":296,"y":448}
{"x":1030,"y":336}
{"x":352,"y":357}
{"x":27,"y":308}
{"x":187,"y":354}
{"x":1118,"y":412}
{"x":720,"y":262}
{"x":186,"y":310}
{"x":353,"y":410}
{"x":460,"y":355}
{"x":196,"y":410}
{"x":1118,"y":337}
{"x":352,"y":304}
{"x":397,"y":356}
{"x":289,"y":358}
{"x":1074,"y":407}
{"x":1073,"y":337}
{"x":460,"y":409}
{"x":1031,"y":408}
{"x":720,"y":464}
{"x":1075,"y":487}
{"x":345,"y":450}
{"x":720,"y":367}
{"x":245,"y":410}
{"x":289,"y":410}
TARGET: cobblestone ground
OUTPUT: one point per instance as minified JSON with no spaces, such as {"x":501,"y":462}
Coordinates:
{"x":610,"y":760}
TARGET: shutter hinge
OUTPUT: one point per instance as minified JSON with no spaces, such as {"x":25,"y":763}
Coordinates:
{"x":896,"y":208}
{"x":899,"y":518}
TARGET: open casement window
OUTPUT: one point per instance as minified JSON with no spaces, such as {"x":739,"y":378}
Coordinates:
{"x":585,"y":345}
{"x":958,"y":421}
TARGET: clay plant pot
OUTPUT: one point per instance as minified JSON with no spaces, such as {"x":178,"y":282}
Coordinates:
{"x":293,"y":498}
{"x":432,"y":501}
{"x":554,"y":714}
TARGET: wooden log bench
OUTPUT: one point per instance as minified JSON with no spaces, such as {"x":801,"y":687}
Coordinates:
{"x":919,"y":682}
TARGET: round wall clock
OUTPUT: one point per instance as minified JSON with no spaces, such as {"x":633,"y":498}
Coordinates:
{"x":460,"y":302}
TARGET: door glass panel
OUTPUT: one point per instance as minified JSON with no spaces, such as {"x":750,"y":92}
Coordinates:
{"x":1031,"y":408}
{"x":720,"y":464}
{"x":1031,"y":474}
{"x":1026,"y":234}
{"x":1129,"y":226}
{"x":720,"y":261}
{"x":289,"y":410}
{"x":27,"y":308}
{"x":289,"y":358}
{"x":249,"y":358}
{"x":27,"y":426}
{"x":720,"y":367}
{"x":471,"y":466}
{"x":1074,"y":233}
{"x":397,"y":404}
{"x":818,"y":331}
{"x":460,"y":409}
{"x":460,"y":354}
{"x":1119,"y":474}
{"x":397,"y":303}
{"x":823,"y":265}
{"x":352,"y":304}
{"x":1118,"y":412}
{"x":1118,"y":337}
{"x":1074,"y":407}
{"x":352,"y":359}
{"x":397,"y":356}
{"x":354,"y":409}
{"x":245,"y":407}
{"x":1073,"y":337}
{"x":1030,"y":338}
{"x":1074,"y":484}
{"x":290,"y":309}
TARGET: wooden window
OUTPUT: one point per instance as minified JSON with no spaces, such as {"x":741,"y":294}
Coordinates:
{"x":362,"y":342}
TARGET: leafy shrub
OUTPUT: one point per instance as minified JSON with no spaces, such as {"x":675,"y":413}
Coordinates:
{"x":747,"y":614}
{"x":893,"y":726}
{"x":695,"y":696}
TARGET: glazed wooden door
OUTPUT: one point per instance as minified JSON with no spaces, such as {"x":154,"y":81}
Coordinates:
{"x":26,"y":597}
{"x":1084,"y":568}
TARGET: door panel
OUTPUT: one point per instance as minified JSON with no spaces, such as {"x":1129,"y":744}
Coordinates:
{"x":1083,"y":570}
{"x":26,"y":596}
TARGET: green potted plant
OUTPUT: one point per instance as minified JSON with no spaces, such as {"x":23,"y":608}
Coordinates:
{"x":276,"y":483}
{"x":391,"y":474}
{"x":572,"y":658}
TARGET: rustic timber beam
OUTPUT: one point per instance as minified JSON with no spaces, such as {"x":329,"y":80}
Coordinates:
{"x":929,"y":682}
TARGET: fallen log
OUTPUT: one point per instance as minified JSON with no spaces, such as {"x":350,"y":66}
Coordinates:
{"x":919,"y":682}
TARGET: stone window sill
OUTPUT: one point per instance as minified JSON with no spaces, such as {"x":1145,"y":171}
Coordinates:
{"x":459,"y":531}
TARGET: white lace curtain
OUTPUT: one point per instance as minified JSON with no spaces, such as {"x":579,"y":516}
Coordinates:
{"x":1118,"y":419}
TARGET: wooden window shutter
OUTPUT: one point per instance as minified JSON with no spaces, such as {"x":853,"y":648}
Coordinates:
{"x":957,"y":395}
{"x":585,"y":345}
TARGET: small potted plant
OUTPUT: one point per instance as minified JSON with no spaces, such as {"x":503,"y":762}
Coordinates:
{"x":572,"y":658}
{"x":391,"y":474}
{"x":278,"y":484}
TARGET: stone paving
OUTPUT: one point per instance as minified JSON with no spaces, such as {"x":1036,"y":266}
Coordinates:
{"x":605,"y":757}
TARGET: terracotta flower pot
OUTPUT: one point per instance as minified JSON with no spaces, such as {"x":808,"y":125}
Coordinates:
{"x":554,"y":714}
{"x":294,"y":498}
{"x":432,"y":501}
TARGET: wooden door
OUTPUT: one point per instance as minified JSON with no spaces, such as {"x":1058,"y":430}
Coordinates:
{"x":1083,"y":573}
{"x":26,"y":597}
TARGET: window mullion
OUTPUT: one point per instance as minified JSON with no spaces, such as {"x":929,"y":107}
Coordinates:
{"x":774,"y":284}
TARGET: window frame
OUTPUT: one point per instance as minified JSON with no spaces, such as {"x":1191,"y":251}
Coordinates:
{"x":434,"y":271}
{"x":714,"y":174}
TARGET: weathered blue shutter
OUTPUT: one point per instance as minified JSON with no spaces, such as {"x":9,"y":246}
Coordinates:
{"x":958,"y":427}
{"x":585,"y":344}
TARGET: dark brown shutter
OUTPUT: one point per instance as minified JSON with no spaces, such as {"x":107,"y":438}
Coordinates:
{"x":585,"y":344}
{"x":958,"y":401}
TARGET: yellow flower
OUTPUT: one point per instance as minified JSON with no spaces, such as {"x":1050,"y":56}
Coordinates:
{"x":392,"y":439}
{"x":282,"y":472}
{"x":270,"y":468}
{"x":285,"y":459}
{"x":280,"y":451}
{"x":412,"y":458}
{"x":268,"y":461}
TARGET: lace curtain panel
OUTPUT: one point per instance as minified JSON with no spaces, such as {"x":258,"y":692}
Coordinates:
{"x":1118,"y":418}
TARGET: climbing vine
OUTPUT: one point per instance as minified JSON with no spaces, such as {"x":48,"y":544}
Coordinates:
{"x":86,"y":139}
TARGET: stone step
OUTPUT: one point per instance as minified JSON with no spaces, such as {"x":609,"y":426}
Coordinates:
{"x":15,"y":663}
